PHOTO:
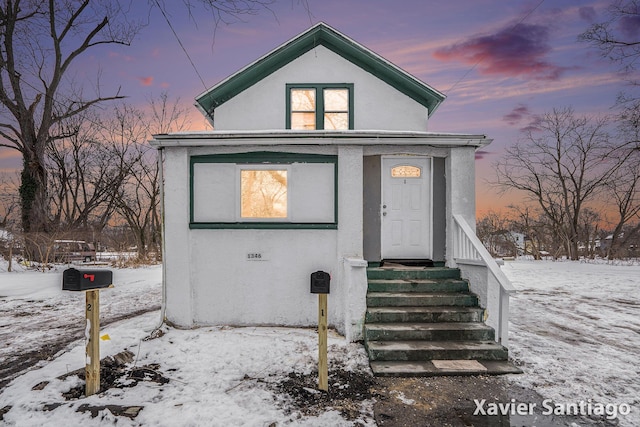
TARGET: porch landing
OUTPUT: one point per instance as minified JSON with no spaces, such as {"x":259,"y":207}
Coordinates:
{"x":423,"y":321}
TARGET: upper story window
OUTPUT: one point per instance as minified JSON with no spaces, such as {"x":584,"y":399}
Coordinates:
{"x":320,"y":106}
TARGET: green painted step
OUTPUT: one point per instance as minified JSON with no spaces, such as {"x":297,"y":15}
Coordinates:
{"x":440,"y":350}
{"x":418,"y":299}
{"x":429,"y":331}
{"x":413,"y":273}
{"x":418,"y":285}
{"x":424,"y":314}
{"x":428,"y":369}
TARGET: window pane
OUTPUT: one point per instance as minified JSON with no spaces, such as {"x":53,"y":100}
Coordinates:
{"x":303,"y":121}
{"x":406,"y":172}
{"x":303,"y":100}
{"x":336,"y":121}
{"x":263,"y":193}
{"x":336,"y":100}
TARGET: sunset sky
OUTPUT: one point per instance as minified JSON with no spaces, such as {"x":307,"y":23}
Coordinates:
{"x":499,"y":62}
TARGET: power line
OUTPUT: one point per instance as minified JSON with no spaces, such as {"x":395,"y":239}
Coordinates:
{"x":181,"y":45}
{"x":485,"y":55}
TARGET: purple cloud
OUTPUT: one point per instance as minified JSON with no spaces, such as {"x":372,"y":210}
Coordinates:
{"x":533,"y":125}
{"x":630,"y":25}
{"x":587,"y":13}
{"x":517,"y":114}
{"x":518,"y":50}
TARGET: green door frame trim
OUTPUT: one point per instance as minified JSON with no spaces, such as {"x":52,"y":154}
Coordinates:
{"x":263,"y":158}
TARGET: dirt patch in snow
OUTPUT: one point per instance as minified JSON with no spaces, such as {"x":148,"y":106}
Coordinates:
{"x":449,"y":402}
{"x":117,"y":372}
{"x":346,"y":393}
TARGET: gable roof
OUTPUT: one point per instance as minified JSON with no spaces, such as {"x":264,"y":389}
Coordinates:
{"x":319,"y":34}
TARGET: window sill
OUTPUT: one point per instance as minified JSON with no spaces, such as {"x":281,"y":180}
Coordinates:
{"x":262,"y":226}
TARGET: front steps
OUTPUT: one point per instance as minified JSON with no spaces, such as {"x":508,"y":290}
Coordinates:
{"x":425,"y":322}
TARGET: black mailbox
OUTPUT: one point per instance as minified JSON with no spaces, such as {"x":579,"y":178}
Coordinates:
{"x":320,"y":281}
{"x":86,"y":280}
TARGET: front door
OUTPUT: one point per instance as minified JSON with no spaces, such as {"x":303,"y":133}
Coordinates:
{"x":406,"y":207}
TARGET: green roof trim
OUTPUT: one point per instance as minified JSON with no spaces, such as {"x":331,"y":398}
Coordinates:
{"x":320,"y":34}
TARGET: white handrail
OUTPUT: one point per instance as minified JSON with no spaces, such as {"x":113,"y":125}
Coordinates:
{"x":468,"y":249}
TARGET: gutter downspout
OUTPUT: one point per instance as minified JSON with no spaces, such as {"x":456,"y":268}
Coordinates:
{"x":163,"y":306}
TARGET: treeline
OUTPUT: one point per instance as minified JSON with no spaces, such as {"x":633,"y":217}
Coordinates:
{"x":574,"y":173}
{"x":103,"y":183}
{"x":526,"y":231}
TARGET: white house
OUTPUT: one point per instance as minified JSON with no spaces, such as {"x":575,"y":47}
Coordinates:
{"x":321,"y":159}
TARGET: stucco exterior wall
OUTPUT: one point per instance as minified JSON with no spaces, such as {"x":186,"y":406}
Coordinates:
{"x":376,"y":104}
{"x":461,"y":192}
{"x":230,"y":289}
{"x":177,"y":244}
{"x":211,"y":280}
{"x":439,"y":207}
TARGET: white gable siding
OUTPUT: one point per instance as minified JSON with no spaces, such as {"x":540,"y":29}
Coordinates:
{"x":378,"y":106}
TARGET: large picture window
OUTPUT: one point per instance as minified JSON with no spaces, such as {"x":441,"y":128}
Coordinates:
{"x":319,"y":106}
{"x":264,"y":190}
{"x":263,"y":193}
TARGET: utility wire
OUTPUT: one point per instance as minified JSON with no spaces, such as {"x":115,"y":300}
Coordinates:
{"x":485,"y":55}
{"x":100,"y":125}
{"x":181,"y":45}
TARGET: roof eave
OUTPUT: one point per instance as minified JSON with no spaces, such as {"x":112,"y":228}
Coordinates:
{"x":320,"y":34}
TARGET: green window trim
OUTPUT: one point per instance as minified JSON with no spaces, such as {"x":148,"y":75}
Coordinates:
{"x":319,"y":88}
{"x":263,"y":158}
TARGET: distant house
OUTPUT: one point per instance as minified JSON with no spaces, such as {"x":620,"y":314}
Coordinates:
{"x":321,"y":159}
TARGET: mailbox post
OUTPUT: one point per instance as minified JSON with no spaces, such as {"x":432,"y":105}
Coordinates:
{"x":92,"y":366}
{"x":90,"y":281}
{"x":320,"y":284}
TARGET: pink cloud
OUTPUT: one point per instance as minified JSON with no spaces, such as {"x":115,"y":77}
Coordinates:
{"x":146,"y":81}
{"x":126,"y":58}
{"x":518,"y":50}
{"x":481,"y":154}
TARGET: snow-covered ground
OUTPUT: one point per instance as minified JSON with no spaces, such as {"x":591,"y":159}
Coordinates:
{"x":575,"y":328}
{"x":36,"y":314}
{"x":219,"y":376}
{"x":575,"y":331}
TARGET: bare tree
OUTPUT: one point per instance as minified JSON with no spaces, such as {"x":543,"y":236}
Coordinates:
{"x":83,"y":170}
{"x":9,"y":207}
{"x":534,"y":225}
{"x":624,"y":186}
{"x":494,"y":230}
{"x":138,"y":198}
{"x":617,"y":37}
{"x":227,"y":11}
{"x":562,"y":166}
{"x":588,"y":231}
{"x":39,"y":42}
